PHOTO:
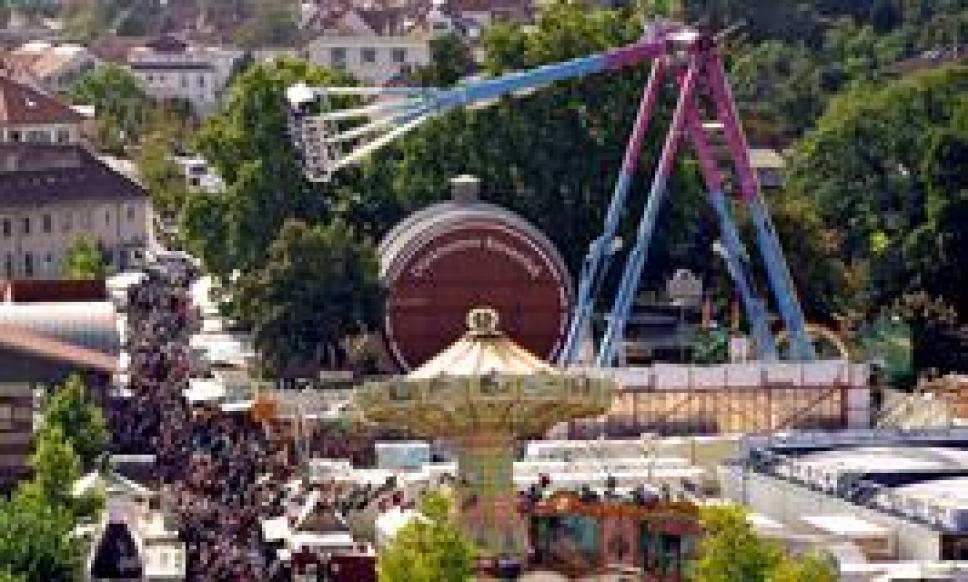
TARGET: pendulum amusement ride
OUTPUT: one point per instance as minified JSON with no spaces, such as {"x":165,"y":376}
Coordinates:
{"x":690,"y":57}
{"x":469,"y":408}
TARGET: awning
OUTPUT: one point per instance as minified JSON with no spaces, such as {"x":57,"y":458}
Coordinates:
{"x":203,"y":390}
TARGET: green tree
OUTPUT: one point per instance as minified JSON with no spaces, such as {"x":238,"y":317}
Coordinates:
{"x":160,"y":173}
{"x":83,"y":260}
{"x":119,"y":104}
{"x":870,"y":169}
{"x":35,"y":538}
{"x":249,"y":146}
{"x":428,"y":550}
{"x":779,"y":89}
{"x":731,"y":551}
{"x":55,"y":465}
{"x":71,"y":410}
{"x":806,"y":568}
{"x":450,"y":59}
{"x":319,"y":285}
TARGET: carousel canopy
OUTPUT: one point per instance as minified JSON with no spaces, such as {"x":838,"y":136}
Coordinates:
{"x":482,"y":351}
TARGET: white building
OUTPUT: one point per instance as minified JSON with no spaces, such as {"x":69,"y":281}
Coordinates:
{"x":373,"y":51}
{"x":171,"y":69}
{"x":53,"y":190}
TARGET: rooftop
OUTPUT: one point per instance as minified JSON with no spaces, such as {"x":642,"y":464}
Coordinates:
{"x":23,"y":105}
{"x":171,"y":65}
{"x":34,"y":174}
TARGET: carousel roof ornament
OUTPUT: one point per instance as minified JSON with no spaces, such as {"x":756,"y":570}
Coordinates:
{"x":483,"y":350}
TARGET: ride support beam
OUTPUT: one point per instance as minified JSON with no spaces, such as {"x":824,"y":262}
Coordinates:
{"x":636,"y":260}
{"x":599,"y":252}
{"x":771,"y":251}
{"x":734,"y":251}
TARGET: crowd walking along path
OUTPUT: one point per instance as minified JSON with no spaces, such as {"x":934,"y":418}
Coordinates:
{"x":210,"y":465}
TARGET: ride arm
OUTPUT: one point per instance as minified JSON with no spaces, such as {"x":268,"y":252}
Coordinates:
{"x":401,"y":109}
{"x":732,"y":249}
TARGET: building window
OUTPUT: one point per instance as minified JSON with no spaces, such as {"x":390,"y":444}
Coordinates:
{"x":28,"y":265}
{"x":66,"y":223}
{"x":399,"y":55}
{"x":131,"y":213}
{"x":6,"y":417}
{"x":37,"y":136}
{"x":14,"y":136}
{"x":26,"y":225}
{"x":63,"y":136}
{"x":47,"y":223}
{"x":184,"y":81}
{"x":201,"y":80}
{"x":107,"y":218}
{"x":48,"y":263}
{"x":368,"y":55}
{"x":7,"y":228}
{"x":337,"y":57}
{"x":8,"y":266}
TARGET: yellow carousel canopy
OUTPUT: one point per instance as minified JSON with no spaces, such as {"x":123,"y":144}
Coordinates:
{"x":482,"y":351}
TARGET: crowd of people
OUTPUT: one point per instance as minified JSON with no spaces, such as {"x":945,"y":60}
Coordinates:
{"x":215,"y":469}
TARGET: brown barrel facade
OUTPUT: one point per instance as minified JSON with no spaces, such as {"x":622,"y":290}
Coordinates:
{"x":443,"y":261}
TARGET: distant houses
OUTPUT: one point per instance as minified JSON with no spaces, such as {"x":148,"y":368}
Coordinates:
{"x":53,"y":190}
{"x":170,"y":68}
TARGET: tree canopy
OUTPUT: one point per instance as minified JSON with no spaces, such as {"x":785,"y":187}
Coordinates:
{"x":731,"y":551}
{"x":159,"y":173}
{"x":248,"y":145}
{"x":37,"y":521}
{"x":119,"y":104}
{"x":885,"y":169}
{"x":83,"y":260}
{"x":70,"y":409}
{"x":428,"y":550}
{"x":319,"y":285}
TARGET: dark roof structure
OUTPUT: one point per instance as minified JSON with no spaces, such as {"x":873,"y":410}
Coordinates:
{"x":170,"y":66}
{"x":167,"y":43}
{"x":23,"y":105}
{"x":32,"y":174}
{"x":52,"y":290}
{"x":26,"y":341}
{"x":116,"y":556}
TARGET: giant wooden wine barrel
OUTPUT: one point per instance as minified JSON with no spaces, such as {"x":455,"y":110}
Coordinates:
{"x":444,"y":260}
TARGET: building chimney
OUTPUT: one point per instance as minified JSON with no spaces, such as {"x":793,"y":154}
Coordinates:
{"x":465,"y":188}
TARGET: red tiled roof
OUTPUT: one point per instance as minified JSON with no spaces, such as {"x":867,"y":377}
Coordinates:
{"x":59,"y":290}
{"x":22,"y":105}
{"x":26,"y":341}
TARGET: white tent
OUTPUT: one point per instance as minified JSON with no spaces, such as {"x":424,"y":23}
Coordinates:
{"x":204,"y":390}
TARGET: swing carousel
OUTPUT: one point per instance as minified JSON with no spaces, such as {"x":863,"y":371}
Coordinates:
{"x":483,"y":394}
